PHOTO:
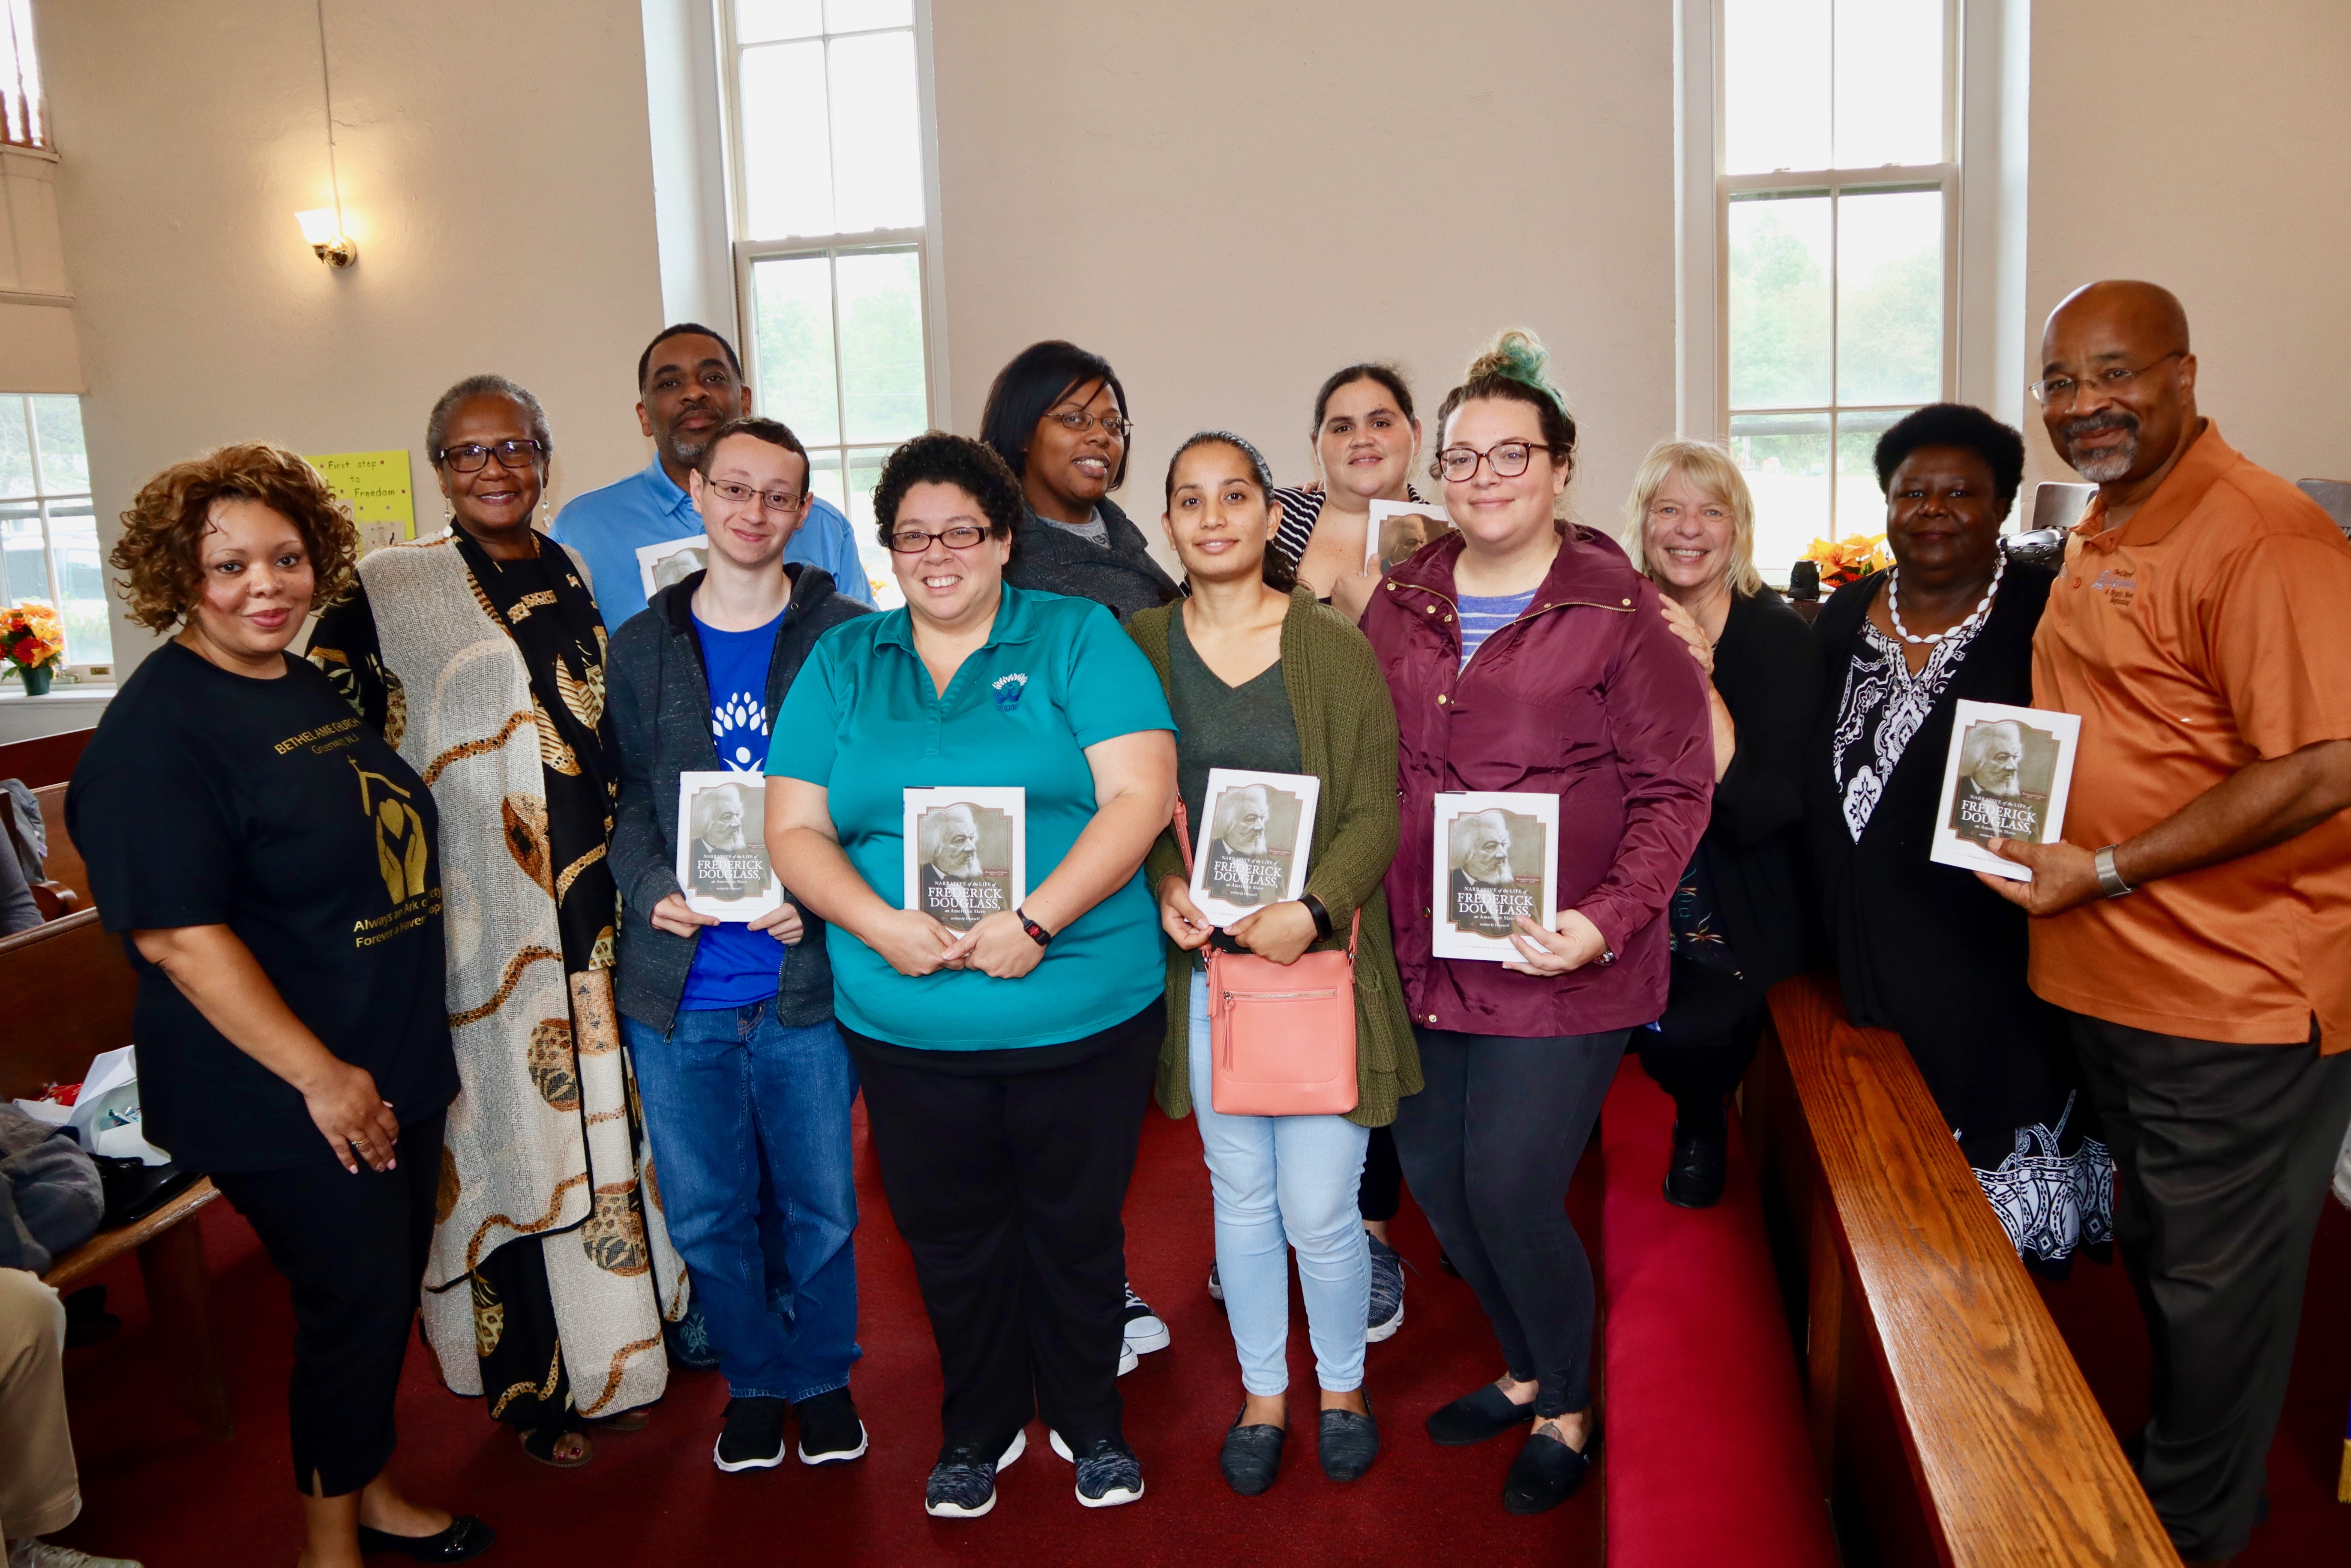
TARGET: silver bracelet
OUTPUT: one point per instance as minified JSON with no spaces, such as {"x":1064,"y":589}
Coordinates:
{"x":2110,"y":881}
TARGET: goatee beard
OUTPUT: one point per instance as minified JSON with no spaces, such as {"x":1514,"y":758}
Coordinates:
{"x":2104,"y":467}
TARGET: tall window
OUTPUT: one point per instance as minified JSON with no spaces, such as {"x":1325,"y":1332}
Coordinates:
{"x":1838,"y":181}
{"x":831,"y":225}
{"x":24,"y":117}
{"x":49,"y":532}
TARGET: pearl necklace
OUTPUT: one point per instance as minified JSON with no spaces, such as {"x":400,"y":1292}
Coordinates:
{"x":1894,"y":605}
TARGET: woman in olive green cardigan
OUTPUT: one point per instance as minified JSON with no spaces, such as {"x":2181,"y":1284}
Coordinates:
{"x":1262,"y":678}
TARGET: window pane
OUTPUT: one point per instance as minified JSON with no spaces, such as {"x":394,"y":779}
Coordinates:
{"x":1785,"y":457}
{"x":64,"y":462}
{"x":1889,"y":83}
{"x":787,"y":161}
{"x":1890,"y":297}
{"x":1860,"y":504}
{"x":1775,"y":85}
{"x":864,"y":473}
{"x":793,"y":323}
{"x":882,"y":345}
{"x":1780,"y":261}
{"x":852,"y":16}
{"x":73,"y":539}
{"x":765,"y":21}
{"x":876,"y":134}
{"x":24,"y":569}
{"x":15,"y":451}
{"x":824,"y":479}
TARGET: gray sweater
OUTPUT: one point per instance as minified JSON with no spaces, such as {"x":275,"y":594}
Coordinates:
{"x":658,"y":696}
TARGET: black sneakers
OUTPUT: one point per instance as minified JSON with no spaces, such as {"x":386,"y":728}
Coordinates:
{"x":831,"y":1433}
{"x":1700,"y":1163}
{"x":1144,"y":1331}
{"x":753,"y":1439}
{"x":1108,"y":1472}
{"x":963,"y":1483}
{"x":1385,"y":1313}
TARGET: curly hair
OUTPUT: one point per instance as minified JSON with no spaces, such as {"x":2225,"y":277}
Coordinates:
{"x":1515,"y":367}
{"x":161,"y":552}
{"x":937,"y":457}
{"x":1960,"y":425}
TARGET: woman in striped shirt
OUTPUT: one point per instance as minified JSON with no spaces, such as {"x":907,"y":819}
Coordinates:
{"x":1365,"y":442}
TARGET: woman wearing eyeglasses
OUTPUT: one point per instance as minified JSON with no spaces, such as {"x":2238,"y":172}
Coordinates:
{"x":1057,"y":415}
{"x":479,"y":655}
{"x":1006,"y":1033}
{"x":1528,"y":655}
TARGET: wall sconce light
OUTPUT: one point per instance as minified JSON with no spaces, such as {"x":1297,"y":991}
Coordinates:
{"x":323,"y":235}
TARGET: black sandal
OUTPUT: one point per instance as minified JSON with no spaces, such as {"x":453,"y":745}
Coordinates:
{"x":540,"y":1442}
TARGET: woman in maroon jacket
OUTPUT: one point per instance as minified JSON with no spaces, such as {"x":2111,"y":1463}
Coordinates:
{"x":1529,"y":655}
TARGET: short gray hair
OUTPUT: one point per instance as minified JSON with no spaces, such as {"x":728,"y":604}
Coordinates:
{"x":437,"y":426}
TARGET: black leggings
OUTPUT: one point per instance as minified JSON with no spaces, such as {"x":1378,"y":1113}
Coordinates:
{"x":1490,"y":1146}
{"x":1380,"y":1193}
{"x":1700,"y":1049}
{"x":352,"y":1248}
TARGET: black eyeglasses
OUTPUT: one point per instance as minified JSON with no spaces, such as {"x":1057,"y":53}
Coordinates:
{"x":1117,"y":426}
{"x":741,"y":494}
{"x":469,"y":459}
{"x":1507,"y":459}
{"x":2059,"y":391}
{"x":914,"y":541}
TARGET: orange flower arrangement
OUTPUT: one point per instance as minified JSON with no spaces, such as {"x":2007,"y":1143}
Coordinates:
{"x":1849,"y":559}
{"x":32,"y":637}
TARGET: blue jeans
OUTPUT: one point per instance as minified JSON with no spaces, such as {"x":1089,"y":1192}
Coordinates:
{"x":750,"y":1126}
{"x":1282,"y":1182}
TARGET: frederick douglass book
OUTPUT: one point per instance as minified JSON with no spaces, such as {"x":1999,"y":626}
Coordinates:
{"x":1399,"y":527}
{"x":1497,"y":859}
{"x":2006,"y":777}
{"x":1259,"y":830}
{"x":721,"y":846}
{"x":966,"y":852}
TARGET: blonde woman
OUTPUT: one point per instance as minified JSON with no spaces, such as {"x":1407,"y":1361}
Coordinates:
{"x":1736,"y":923}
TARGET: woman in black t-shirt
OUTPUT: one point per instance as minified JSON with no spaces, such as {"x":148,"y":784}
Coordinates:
{"x":273,"y":865}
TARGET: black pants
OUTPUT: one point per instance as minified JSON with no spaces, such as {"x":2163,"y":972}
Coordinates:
{"x":1380,"y":1191}
{"x":352,"y":1248}
{"x":2224,"y":1153}
{"x":1700,"y":1049}
{"x":1007,"y":1187}
{"x":1490,"y":1146}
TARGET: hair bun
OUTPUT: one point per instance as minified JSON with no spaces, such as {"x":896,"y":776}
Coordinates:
{"x":1516,"y":354}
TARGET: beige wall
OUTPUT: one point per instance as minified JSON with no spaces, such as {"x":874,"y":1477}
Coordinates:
{"x":2207,"y":148}
{"x":1229,"y":200}
{"x":495,"y":174}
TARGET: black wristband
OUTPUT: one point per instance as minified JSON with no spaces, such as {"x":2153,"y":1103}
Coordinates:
{"x":1321,"y":916}
{"x":1036,"y":933}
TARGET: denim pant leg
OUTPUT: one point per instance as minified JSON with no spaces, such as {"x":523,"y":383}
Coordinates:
{"x":697,"y":1089}
{"x":802,"y":1088}
{"x":1280,"y":1181}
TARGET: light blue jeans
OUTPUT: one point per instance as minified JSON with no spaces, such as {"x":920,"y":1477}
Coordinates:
{"x":1282,"y":1182}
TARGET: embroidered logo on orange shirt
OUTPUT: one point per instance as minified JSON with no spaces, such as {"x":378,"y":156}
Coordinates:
{"x":2118,"y":583}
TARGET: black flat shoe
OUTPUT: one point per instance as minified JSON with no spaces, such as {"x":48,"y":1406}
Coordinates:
{"x":1694,"y":1179}
{"x":1547,"y":1472}
{"x":465,"y":1538}
{"x":1347,"y":1443}
{"x":1485,"y":1412}
{"x":1251,"y":1457}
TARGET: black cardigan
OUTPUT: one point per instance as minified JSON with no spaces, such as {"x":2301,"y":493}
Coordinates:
{"x":1922,"y":948}
{"x":1123,"y":578}
{"x":1767,"y":666}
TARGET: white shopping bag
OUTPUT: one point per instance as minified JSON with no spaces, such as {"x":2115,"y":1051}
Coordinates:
{"x":106,"y":1116}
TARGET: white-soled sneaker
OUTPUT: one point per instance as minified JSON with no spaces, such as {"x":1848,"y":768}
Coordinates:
{"x":752,"y":1439}
{"x":1127,"y":1360}
{"x":1144,"y":1331}
{"x":963,"y":1483}
{"x":1108,"y":1471}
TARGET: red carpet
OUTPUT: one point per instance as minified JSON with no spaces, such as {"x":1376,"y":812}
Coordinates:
{"x":2100,"y":1318}
{"x":155,"y":1491}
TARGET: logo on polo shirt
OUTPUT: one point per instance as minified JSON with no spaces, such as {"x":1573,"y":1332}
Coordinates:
{"x":1008,"y":691}
{"x":2118,"y":583}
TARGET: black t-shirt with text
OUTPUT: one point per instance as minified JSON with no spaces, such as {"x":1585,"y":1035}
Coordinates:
{"x":212,"y":799}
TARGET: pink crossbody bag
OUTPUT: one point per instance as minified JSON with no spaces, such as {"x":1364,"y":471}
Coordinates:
{"x":1282,"y":1037}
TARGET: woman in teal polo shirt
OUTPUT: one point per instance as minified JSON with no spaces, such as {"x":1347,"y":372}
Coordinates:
{"x":1006,"y":1044}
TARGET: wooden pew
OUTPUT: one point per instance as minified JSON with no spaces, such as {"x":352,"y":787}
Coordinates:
{"x":1950,"y":1422}
{"x":74,"y":978}
{"x":63,"y":864}
{"x":45,"y":759}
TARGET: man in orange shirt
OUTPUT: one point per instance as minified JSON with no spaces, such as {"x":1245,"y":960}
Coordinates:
{"x":2202,"y":630}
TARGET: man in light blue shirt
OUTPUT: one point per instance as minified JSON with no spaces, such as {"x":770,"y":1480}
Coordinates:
{"x":689,"y":382}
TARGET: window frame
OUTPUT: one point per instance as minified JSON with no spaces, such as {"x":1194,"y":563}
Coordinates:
{"x":924,"y":240}
{"x":42,"y":500}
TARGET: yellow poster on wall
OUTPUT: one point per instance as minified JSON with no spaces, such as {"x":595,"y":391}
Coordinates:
{"x":376,"y":485}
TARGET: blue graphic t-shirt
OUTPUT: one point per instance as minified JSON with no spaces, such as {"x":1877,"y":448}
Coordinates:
{"x":735,"y":965}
